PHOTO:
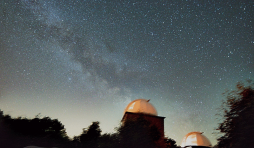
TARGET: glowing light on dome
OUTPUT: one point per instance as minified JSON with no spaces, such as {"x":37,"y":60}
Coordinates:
{"x":195,"y":139}
{"x":141,"y":106}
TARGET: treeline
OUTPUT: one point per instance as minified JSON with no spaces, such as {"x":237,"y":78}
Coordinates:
{"x":21,"y":132}
{"x":236,"y":129}
{"x":39,"y":127}
{"x":47,"y":132}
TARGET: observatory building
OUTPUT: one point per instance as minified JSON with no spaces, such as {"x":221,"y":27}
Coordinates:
{"x":195,"y":139}
{"x":142,"y":108}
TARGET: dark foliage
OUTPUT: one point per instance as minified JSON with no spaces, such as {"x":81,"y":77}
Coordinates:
{"x":109,"y":141}
{"x":92,"y":133}
{"x":238,"y":115}
{"x":45,"y":127}
{"x":89,"y":137}
{"x":170,"y":143}
{"x":20,"y":132}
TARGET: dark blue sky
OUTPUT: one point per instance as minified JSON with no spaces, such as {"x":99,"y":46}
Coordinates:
{"x":85,"y":61}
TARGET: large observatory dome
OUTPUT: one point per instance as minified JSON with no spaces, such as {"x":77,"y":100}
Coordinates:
{"x":141,"y":106}
{"x":195,"y":139}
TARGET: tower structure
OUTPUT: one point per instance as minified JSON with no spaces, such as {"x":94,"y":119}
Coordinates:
{"x":142,"y":108}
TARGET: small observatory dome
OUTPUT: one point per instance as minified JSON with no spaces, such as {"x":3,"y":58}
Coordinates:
{"x":195,"y":139}
{"x":141,"y":106}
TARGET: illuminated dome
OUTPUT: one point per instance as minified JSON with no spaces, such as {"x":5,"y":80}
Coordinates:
{"x":141,"y":106}
{"x":195,"y":139}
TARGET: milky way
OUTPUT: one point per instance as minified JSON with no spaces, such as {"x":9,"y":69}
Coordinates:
{"x":84,"y":61}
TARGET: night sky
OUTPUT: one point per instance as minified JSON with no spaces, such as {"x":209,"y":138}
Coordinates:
{"x":85,"y":60}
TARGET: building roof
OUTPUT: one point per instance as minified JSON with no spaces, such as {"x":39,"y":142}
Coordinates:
{"x":141,"y":106}
{"x":195,"y":139}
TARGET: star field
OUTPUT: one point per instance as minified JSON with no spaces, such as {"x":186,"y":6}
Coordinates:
{"x":84,"y":61}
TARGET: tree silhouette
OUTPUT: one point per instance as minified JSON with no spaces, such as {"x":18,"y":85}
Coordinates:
{"x":37,"y":131}
{"x":109,"y":141}
{"x":238,"y":115}
{"x":45,"y":127}
{"x":170,"y":143}
{"x":89,"y":137}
